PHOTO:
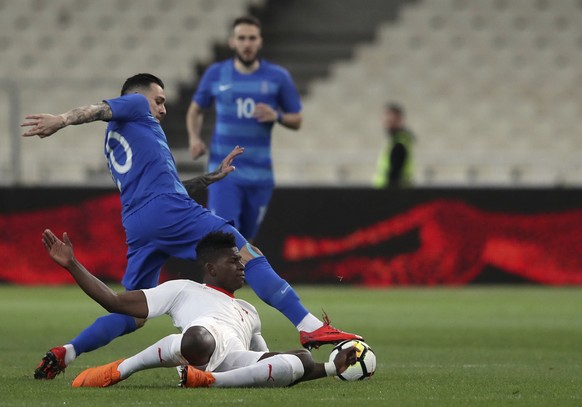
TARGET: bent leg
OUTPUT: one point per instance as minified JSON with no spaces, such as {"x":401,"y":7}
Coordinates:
{"x":272,"y":289}
{"x":195,"y":347}
{"x":164,"y":353}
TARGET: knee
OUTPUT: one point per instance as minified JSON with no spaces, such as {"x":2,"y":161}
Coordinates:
{"x":197,"y":346}
{"x":249,"y":252}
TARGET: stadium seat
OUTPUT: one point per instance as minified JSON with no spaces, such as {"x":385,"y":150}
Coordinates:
{"x":482,"y":77}
{"x":74,"y":50}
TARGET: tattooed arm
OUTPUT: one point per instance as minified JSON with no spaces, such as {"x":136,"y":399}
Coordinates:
{"x":225,"y":167}
{"x":44,"y":125}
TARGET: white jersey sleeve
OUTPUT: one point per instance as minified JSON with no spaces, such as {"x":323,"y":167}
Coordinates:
{"x":161,"y":299}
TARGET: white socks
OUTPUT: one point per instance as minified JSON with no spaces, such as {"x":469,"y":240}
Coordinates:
{"x":309,"y":324}
{"x":276,"y":371}
{"x":70,"y":353}
{"x":164,"y":353}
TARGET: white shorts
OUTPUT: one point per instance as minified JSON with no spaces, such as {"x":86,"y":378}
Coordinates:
{"x":230,"y":352}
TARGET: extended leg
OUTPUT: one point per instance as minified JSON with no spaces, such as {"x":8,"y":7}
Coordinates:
{"x":277,"y":371}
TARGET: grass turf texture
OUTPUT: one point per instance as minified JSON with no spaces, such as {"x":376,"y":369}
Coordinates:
{"x":483,"y":346}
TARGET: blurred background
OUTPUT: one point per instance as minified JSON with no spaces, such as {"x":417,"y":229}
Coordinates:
{"x":492,"y":91}
{"x":492,"y":88}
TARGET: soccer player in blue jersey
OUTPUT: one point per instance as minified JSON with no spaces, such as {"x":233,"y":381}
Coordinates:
{"x":250,"y":95}
{"x":159,"y":217}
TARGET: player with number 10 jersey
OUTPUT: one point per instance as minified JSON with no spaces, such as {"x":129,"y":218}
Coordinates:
{"x":236,"y":95}
{"x":251,"y":95}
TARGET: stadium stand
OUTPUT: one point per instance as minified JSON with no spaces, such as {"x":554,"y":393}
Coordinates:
{"x":491,"y":87}
{"x":65,"y":53}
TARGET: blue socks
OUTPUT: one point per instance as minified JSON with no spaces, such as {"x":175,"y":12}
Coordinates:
{"x":102,"y":331}
{"x":272,"y":289}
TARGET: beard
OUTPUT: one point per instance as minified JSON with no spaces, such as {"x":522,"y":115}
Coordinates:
{"x":246,"y":62}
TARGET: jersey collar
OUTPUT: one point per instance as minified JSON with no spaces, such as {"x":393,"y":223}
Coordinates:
{"x":222,"y":290}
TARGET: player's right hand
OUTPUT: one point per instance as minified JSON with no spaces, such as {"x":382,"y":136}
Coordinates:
{"x":42,"y":125}
{"x":197,"y":149}
{"x":344,"y":359}
{"x":61,"y":252}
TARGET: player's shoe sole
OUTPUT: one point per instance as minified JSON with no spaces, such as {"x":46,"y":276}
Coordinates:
{"x":51,"y":364}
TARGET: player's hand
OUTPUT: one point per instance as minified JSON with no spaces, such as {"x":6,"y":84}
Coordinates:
{"x":61,"y":252}
{"x":344,"y":359}
{"x":42,"y":125}
{"x":197,"y":149}
{"x":264,"y":113}
{"x":226,"y":166}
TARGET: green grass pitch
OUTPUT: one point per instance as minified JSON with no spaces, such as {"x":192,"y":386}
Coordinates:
{"x":478,"y":346}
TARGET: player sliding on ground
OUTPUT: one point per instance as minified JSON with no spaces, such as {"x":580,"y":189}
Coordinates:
{"x":220,"y":344}
{"x":159,"y":217}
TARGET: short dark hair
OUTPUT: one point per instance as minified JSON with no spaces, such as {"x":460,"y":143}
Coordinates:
{"x":395,"y":107}
{"x":141,"y":80}
{"x":210,"y":246}
{"x":250,"y":20}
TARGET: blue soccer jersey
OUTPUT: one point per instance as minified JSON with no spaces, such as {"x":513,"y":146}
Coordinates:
{"x":236,"y":95}
{"x":159,"y":217}
{"x":134,"y":132}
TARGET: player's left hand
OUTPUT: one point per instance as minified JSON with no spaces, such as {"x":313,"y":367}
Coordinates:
{"x":61,"y":252}
{"x":344,"y":359}
{"x":42,"y":125}
{"x":264,"y":113}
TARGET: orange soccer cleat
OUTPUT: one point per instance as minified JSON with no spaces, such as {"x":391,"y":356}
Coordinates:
{"x":100,"y":376}
{"x":192,"y":377}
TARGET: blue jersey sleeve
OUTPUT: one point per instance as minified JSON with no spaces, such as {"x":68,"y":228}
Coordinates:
{"x":128,"y":108}
{"x":203,"y":95}
{"x":288,"y":98}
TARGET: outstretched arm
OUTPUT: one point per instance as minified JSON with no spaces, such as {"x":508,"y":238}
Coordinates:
{"x":225,"y":167}
{"x":132,"y":303}
{"x":344,"y":359}
{"x":44,"y":125}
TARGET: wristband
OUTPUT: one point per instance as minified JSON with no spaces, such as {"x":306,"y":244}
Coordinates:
{"x":330,"y":368}
{"x":279,"y":117}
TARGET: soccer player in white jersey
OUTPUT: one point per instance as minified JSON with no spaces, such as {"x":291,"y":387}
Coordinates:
{"x":220,"y":344}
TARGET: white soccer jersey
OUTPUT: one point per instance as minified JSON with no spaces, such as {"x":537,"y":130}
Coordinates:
{"x":189,"y":303}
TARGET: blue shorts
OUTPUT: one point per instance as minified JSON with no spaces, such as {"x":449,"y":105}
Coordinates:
{"x":246,"y":206}
{"x":168,"y":225}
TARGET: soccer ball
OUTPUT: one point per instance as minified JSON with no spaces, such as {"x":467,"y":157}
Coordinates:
{"x":365,"y":365}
